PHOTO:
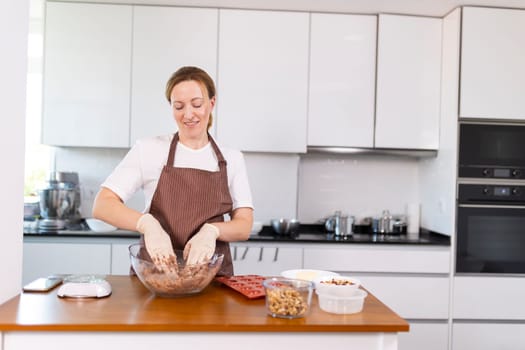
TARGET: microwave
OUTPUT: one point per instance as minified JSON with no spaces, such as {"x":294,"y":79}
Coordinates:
{"x":491,"y":150}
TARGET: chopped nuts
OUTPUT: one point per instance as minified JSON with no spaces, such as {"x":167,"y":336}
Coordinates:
{"x":286,"y":301}
{"x":338,"y":282}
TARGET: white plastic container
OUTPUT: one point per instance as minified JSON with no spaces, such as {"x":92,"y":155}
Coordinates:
{"x":342,"y":305}
{"x":337,"y":286}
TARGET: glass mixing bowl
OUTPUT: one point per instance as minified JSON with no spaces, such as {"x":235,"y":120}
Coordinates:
{"x":177,"y":279}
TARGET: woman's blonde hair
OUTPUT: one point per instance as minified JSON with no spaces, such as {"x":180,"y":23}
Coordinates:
{"x":190,"y":73}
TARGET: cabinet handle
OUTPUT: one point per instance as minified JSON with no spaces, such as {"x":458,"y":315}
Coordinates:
{"x":235,"y":253}
{"x":261,"y":254}
{"x":244,"y":253}
{"x":276,"y":254}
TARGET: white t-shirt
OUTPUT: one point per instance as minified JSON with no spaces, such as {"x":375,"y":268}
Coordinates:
{"x":142,"y":165}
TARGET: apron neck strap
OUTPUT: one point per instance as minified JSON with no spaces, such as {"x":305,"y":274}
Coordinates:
{"x":173,"y":147}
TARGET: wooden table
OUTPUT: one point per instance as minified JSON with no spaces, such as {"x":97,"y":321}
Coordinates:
{"x":132,"y":318}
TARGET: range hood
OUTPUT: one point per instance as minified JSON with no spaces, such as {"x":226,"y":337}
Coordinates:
{"x":417,"y":153}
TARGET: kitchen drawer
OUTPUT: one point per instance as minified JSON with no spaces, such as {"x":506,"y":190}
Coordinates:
{"x":367,"y":258}
{"x":413,"y":297}
{"x":428,"y":336}
{"x":264,"y":260}
{"x":489,"y":298}
{"x":488,"y":336}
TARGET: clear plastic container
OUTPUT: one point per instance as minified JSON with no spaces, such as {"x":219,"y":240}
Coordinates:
{"x":288,"y":298}
{"x":342,"y":305}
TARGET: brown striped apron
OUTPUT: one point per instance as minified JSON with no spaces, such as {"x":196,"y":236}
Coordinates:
{"x":187,"y":198}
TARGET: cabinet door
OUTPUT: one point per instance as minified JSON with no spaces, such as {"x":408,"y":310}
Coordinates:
{"x":249,"y":259}
{"x":43,"y":259}
{"x":120,"y":261}
{"x":501,"y":298}
{"x":263,"y":65}
{"x":161,"y":45}
{"x":492,"y":69}
{"x":488,"y":336}
{"x":86,"y":75}
{"x":428,"y":336}
{"x":411,"y":296}
{"x":408,"y":82}
{"x":342,"y":80}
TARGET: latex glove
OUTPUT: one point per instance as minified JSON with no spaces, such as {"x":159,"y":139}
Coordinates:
{"x":158,"y":242}
{"x":202,"y":245}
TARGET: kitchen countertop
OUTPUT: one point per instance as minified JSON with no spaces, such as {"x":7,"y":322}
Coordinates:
{"x":307,"y":234}
{"x":132,"y":308}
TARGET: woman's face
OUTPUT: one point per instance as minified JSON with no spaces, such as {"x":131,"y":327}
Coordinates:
{"x":191,"y":108}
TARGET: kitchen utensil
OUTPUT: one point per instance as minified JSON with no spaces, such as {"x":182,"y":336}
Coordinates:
{"x":59,"y":201}
{"x":84,"y":286}
{"x":180,"y":280}
{"x":248,"y":285}
{"x":284,"y":226}
{"x":333,"y":223}
{"x":287,"y":298}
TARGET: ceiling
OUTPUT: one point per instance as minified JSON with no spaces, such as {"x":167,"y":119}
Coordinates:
{"x":437,"y":8}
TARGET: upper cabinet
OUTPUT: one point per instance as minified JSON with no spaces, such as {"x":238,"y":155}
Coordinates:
{"x":408,"y":82}
{"x":87,"y":65}
{"x":492,"y":69}
{"x":342,"y":80}
{"x":161,"y":45}
{"x":263,"y":80}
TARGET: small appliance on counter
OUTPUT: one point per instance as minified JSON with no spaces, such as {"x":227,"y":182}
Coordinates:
{"x":60,"y":202}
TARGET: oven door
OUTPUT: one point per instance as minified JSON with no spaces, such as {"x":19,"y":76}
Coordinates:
{"x":490,"y":239}
{"x":491,"y":150}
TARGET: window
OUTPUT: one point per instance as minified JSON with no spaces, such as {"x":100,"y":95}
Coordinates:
{"x":37,"y":156}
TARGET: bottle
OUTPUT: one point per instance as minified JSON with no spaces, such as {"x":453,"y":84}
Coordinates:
{"x":384,"y":222}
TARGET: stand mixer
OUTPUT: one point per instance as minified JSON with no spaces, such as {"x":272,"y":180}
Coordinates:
{"x":60,"y":201}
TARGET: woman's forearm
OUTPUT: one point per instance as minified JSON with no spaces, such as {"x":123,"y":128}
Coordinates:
{"x":238,"y":228}
{"x":109,"y":207}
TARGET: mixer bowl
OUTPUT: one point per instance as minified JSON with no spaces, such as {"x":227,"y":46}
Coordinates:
{"x":58,"y":203}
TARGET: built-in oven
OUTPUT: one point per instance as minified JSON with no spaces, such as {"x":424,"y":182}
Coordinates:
{"x":490,"y":229}
{"x":491,"y":150}
{"x":490,"y":232}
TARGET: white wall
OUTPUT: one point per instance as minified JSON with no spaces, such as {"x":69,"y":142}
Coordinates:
{"x":14,"y":22}
{"x":438,"y":175}
{"x":358,"y":185}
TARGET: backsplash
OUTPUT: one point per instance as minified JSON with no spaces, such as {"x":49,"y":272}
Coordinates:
{"x":308,"y":187}
{"x":358,"y":185}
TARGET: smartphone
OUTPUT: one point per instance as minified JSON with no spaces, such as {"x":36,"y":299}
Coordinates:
{"x":43,"y":284}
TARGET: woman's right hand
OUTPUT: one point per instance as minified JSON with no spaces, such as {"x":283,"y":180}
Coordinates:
{"x":158,"y":242}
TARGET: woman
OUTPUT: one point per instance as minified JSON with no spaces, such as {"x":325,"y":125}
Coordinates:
{"x":189,"y":182}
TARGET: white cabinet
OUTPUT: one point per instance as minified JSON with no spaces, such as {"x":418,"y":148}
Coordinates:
{"x":485,"y":298}
{"x":408,"y":82}
{"x":86,"y":75}
{"x":263,"y":79}
{"x":263,"y":259}
{"x":427,"y":336}
{"x":342,"y":80}
{"x":488,"y":336}
{"x":47,"y":258}
{"x":412,"y":281}
{"x":161,"y":45}
{"x":120,"y":261}
{"x":492,"y":69}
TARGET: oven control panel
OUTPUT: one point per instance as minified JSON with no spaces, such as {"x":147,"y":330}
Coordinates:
{"x":491,"y":193}
{"x":492,"y":173}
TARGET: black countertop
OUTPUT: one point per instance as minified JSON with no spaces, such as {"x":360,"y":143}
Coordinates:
{"x":306,"y":234}
{"x":317,"y":234}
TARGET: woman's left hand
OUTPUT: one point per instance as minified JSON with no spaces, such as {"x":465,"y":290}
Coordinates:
{"x":202,"y":245}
